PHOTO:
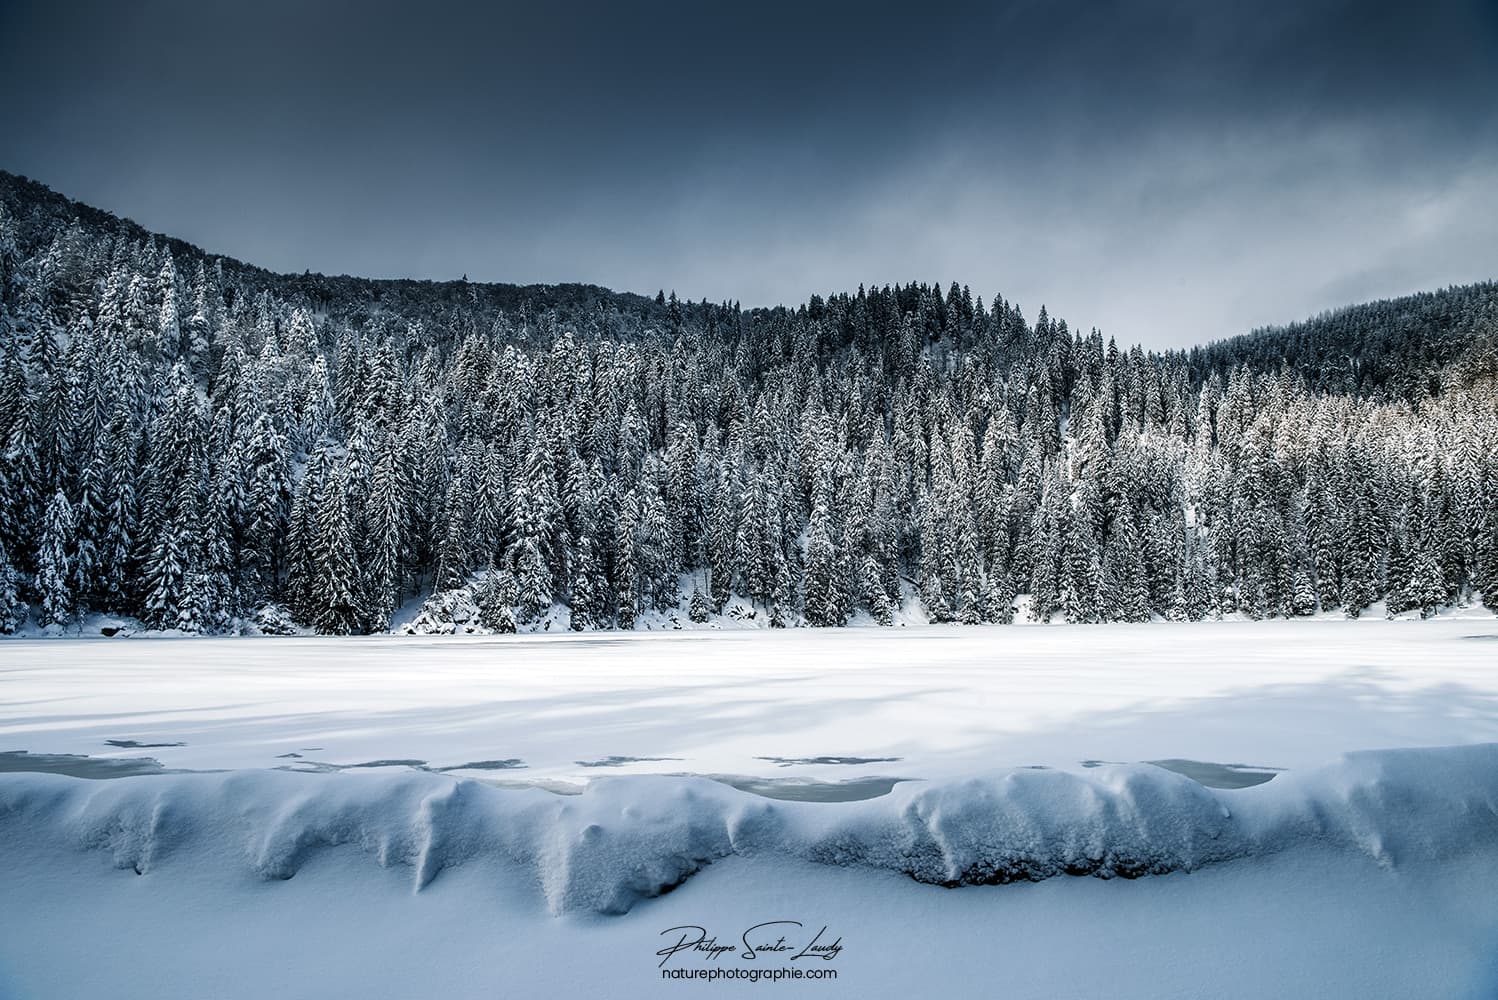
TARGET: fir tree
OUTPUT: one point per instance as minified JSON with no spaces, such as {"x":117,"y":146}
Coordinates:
{"x":12,"y":609}
{"x":822,"y":604}
{"x":496,"y":596}
{"x":55,"y":583}
{"x":336,"y":581}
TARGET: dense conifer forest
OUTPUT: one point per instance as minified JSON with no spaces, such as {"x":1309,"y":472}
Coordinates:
{"x":206,"y":446}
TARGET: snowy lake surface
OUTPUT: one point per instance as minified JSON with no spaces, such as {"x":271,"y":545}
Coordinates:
{"x":796,"y":714}
{"x":375,"y":817}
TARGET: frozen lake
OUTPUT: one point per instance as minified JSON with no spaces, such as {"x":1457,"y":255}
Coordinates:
{"x":797,"y":714}
{"x":899,"y":757}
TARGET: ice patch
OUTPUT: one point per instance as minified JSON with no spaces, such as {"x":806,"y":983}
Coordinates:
{"x":1208,"y":773}
{"x":614,"y":760}
{"x":82,"y":766}
{"x":793,"y":761}
{"x":809,"y":789}
{"x":323,"y":767}
{"x":508,"y":764}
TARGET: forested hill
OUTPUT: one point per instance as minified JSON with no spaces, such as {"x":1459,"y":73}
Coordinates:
{"x":1401,"y":348}
{"x":206,"y":446}
{"x":41,"y":215}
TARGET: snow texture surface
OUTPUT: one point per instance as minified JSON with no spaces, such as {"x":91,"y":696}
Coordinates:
{"x":426,"y":850}
{"x":626,"y":839}
{"x":794,"y":706}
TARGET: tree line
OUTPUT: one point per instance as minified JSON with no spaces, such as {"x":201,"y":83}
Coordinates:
{"x":203,"y":446}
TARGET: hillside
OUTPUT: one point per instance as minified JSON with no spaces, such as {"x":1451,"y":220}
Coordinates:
{"x":203,"y":445}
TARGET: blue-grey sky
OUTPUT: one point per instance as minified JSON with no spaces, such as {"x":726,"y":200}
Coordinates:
{"x":1170,"y":171}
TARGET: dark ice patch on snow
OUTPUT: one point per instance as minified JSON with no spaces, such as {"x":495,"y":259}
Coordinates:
{"x":1486,"y":635}
{"x":137,"y":745}
{"x":285,"y":756}
{"x":83,"y":766}
{"x":614,"y":760}
{"x":1208,"y":773}
{"x":324,"y":767}
{"x":792,"y":761}
{"x":420,"y":765}
{"x":508,"y":764}
{"x":1218,"y":775}
{"x":798,"y":790}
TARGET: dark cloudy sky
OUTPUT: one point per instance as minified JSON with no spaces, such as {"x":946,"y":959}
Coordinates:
{"x":1168,"y":171}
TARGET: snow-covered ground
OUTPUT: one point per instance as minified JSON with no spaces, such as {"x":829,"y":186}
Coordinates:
{"x":1359,"y":870}
{"x":907,"y":703}
{"x":1313,"y":925}
{"x":1367,"y":878}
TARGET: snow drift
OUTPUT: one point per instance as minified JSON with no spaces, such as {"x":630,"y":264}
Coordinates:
{"x":634,"y":837}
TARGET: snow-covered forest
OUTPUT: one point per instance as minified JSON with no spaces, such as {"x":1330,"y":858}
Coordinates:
{"x":206,"y":446}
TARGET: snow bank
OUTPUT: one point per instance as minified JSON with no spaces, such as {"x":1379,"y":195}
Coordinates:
{"x":634,"y":837}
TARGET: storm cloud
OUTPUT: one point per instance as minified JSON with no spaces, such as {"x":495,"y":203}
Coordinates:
{"x":1170,"y":172}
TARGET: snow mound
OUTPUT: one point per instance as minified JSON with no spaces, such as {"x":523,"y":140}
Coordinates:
{"x":634,"y":837}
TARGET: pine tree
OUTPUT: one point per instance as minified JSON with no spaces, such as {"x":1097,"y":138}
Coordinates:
{"x":55,"y":583}
{"x":1361,"y":548}
{"x":301,"y":541}
{"x":268,"y":495}
{"x":170,"y":530}
{"x":1426,"y":589}
{"x":699,"y":609}
{"x":452,"y":553}
{"x":532,"y":557}
{"x":337,"y":587}
{"x":1198,"y":590}
{"x":167,"y":568}
{"x":168,"y":331}
{"x":1303,"y":599}
{"x":116,"y":530}
{"x":1127,"y":593}
{"x":586,"y":604}
{"x":496,"y":595}
{"x":723,"y":548}
{"x":21,"y":490}
{"x":386,"y":541}
{"x":822,"y":601}
{"x":626,"y":576}
{"x":1082,"y":598}
{"x":12,"y":609}
{"x":1044,"y":590}
{"x":876,"y":598}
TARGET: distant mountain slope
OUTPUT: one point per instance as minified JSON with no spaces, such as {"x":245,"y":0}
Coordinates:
{"x":1390,"y":345}
{"x":1399,"y":347}
{"x":203,"y":445}
{"x":42,"y":214}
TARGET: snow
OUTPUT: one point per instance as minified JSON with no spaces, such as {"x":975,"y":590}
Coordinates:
{"x":522,"y":882}
{"x":945,"y":702}
{"x":1297,"y":925}
{"x":1363,"y":869}
{"x":626,"y":839}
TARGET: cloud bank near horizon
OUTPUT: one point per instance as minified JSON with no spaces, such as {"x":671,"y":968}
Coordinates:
{"x":1169,"y":172}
